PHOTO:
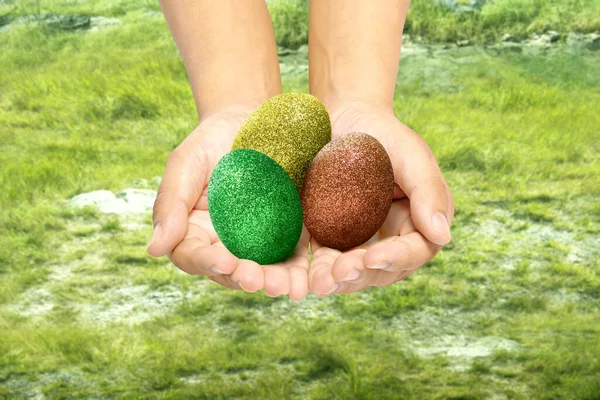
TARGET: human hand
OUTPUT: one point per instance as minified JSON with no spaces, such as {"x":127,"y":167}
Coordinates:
{"x":182,"y":227}
{"x":418,"y":224}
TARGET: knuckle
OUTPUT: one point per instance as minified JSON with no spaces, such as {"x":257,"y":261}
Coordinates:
{"x":384,"y":279}
{"x":412,"y":260}
{"x":404,"y":274}
{"x":180,"y":259}
{"x":175,"y":258}
{"x":431,"y":255}
{"x":410,"y":256}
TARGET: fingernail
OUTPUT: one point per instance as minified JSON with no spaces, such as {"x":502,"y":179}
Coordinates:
{"x":216,"y":270}
{"x":440,"y":225}
{"x":352,"y":276}
{"x":239,"y":283}
{"x":156,"y":234}
{"x":335,"y":287}
{"x":381,"y":265}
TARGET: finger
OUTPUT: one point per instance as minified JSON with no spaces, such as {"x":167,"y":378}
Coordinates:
{"x":404,"y":253}
{"x":224,"y":280}
{"x":350,"y":273}
{"x":299,"y":257}
{"x":197,"y":258}
{"x":349,"y":267}
{"x":398,"y":193}
{"x":199,"y":254}
{"x":397,"y":223}
{"x":419,"y":176}
{"x":297,"y":267}
{"x":398,"y":215}
{"x":320,"y":278}
{"x":298,"y":283}
{"x":289,"y":277}
{"x":277,"y":280}
{"x":180,"y":188}
{"x":248,"y":276}
{"x":384,"y":278}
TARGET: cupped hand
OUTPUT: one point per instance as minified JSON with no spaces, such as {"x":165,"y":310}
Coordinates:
{"x":182,"y":227}
{"x":418,"y":224}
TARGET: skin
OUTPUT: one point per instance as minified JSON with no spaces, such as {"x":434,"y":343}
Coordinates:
{"x":229,"y":52}
{"x":230,"y":57}
{"x":353,"y":72}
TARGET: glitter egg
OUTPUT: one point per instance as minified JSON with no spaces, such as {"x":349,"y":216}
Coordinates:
{"x":348,"y":191}
{"x":254,"y":207}
{"x":290,"y":128}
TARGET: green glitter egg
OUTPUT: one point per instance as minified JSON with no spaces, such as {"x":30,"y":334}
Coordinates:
{"x":290,"y":128}
{"x":254,"y":207}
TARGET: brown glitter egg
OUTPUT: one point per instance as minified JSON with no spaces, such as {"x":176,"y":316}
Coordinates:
{"x":348,"y":191}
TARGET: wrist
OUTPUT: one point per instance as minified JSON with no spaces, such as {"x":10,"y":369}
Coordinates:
{"x":230,"y":112}
{"x":236,"y":94}
{"x":342,"y":109}
{"x":233,"y":106}
{"x":338,"y":93}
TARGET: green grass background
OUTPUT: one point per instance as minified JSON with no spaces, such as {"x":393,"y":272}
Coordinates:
{"x":517,"y":136}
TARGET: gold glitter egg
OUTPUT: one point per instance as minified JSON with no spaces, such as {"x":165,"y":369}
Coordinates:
{"x":348,"y":191}
{"x":290,"y":128}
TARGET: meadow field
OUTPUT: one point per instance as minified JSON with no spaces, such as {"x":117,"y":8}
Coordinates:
{"x":510,"y":309}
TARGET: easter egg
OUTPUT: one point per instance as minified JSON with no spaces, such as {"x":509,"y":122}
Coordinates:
{"x":254,"y":207}
{"x":290,"y":128}
{"x":348,"y":191}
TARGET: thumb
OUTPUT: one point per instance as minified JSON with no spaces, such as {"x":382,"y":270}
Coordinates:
{"x":180,"y":189}
{"x":431,"y":209}
{"x":431,"y":205}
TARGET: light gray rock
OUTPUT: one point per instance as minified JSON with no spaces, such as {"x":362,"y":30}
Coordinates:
{"x":284,"y":51}
{"x":92,"y":198}
{"x":465,"y":347}
{"x":53,"y":21}
{"x":574,"y":38}
{"x":411,"y":49}
{"x":62,"y":22}
{"x":291,"y":69}
{"x":508,"y":38}
{"x":140,"y":199}
{"x":463,"y":6}
{"x":98,"y":23}
{"x":513,"y":47}
{"x":153,"y":14}
{"x":67,"y":22}
{"x":156,"y":180}
{"x":592,"y":41}
{"x":554,"y":36}
{"x":140,"y":183}
{"x":303,"y":49}
{"x":542,"y":40}
{"x":128,"y":201}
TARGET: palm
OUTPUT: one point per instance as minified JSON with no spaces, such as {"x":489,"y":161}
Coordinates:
{"x":206,"y":145}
